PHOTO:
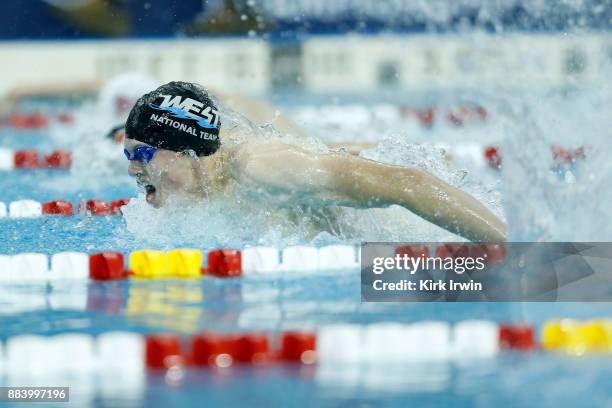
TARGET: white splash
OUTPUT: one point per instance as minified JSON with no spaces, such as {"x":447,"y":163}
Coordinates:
{"x":546,"y":201}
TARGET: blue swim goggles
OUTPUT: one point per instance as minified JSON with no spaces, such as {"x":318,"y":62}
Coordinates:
{"x":143,"y":154}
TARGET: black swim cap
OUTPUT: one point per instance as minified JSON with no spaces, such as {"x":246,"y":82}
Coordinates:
{"x":177,"y":116}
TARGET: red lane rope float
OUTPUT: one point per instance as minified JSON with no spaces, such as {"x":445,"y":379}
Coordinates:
{"x":492,"y":253}
{"x":31,"y":209}
{"x":224,"y":263}
{"x":465,"y":114}
{"x":65,"y":118}
{"x":222,"y":350}
{"x":562,"y":156}
{"x":94,"y":207}
{"x":163,"y":351}
{"x":28,"y":121}
{"x":37,"y":120}
{"x":517,"y":337}
{"x":298,"y":347}
{"x":62,"y":207}
{"x":59,"y":159}
{"x":34,"y":209}
{"x":493,"y":157}
{"x":458,"y":116}
{"x":28,"y":159}
{"x":106,"y":266}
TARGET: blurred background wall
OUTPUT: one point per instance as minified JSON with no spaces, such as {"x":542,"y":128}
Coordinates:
{"x":259,"y":45}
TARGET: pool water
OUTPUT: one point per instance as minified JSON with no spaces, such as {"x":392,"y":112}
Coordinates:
{"x":297,"y":302}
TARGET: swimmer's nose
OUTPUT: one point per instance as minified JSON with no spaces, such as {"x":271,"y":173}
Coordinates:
{"x":135,"y":168}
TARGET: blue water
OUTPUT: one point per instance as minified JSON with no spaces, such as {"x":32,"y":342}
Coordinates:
{"x":270,"y":304}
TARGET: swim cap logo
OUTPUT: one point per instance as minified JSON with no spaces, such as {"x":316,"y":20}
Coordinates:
{"x":189,"y":109}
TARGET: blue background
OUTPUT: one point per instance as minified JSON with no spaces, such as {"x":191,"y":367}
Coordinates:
{"x":33,"y":19}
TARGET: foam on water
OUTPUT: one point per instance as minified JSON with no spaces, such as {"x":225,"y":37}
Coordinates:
{"x":213,"y":223}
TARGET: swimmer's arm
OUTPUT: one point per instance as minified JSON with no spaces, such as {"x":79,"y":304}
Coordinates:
{"x":364,"y":183}
{"x":379,"y":184}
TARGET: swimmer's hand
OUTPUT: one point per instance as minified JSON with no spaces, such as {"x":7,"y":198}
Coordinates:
{"x":358,"y":182}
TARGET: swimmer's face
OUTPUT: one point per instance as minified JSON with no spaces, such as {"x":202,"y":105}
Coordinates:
{"x":168,"y":173}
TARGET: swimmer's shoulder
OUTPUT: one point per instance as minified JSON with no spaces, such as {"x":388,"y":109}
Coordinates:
{"x":260,"y":150}
{"x":259,"y":161}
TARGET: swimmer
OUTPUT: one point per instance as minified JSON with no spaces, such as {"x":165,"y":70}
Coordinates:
{"x":177,"y":143}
